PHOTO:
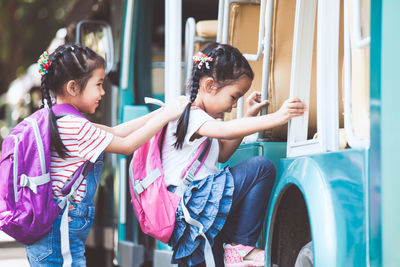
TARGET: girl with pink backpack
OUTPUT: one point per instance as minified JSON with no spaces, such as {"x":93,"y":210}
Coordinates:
{"x":74,"y":75}
{"x":228,"y":203}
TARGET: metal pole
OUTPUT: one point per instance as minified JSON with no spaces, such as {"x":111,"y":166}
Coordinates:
{"x":173,"y":48}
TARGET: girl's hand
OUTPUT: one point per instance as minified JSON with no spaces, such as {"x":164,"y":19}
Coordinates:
{"x":292,"y":107}
{"x":174,"y":108}
{"x":254,"y":104}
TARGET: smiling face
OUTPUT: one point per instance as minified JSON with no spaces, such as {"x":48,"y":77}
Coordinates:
{"x":89,"y":98}
{"x":218,"y":101}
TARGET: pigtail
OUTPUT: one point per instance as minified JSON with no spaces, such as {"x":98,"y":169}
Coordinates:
{"x":183,"y":121}
{"x":55,"y":139}
{"x":225,"y":64}
{"x":202,"y":67}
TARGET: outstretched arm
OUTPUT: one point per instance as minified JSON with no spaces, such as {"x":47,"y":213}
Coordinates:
{"x":228,"y":147}
{"x":238,"y":128}
{"x":127,"y":145}
{"x":124,"y":129}
{"x":146,"y":128}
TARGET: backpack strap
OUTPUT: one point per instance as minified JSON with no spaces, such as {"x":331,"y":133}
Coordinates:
{"x":77,"y":178}
{"x":140,"y":185}
{"x":70,"y":189}
{"x":208,"y":254}
{"x":190,"y":171}
{"x":66,"y":109}
{"x":61,"y":110}
{"x":188,"y":178}
{"x":34,"y":182}
{"x":194,"y":166}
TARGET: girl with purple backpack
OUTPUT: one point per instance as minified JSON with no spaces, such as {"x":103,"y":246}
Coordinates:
{"x":229,"y":203}
{"x":74,"y":75}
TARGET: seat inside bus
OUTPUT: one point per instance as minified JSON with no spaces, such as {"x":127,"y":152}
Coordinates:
{"x":206,"y":29}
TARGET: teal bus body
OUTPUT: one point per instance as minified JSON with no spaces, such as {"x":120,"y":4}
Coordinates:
{"x":333,"y":186}
{"x":386,"y":121}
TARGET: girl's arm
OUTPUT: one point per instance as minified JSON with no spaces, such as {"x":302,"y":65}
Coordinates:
{"x":127,"y":145}
{"x":230,"y":133}
{"x":238,"y":128}
{"x":154,"y":123}
{"x":228,"y":147}
{"x":124,"y":129}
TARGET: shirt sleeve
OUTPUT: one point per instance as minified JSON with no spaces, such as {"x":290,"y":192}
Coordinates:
{"x":91,"y":140}
{"x":196,"y":119}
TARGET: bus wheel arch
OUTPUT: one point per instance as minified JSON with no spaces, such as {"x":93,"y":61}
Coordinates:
{"x":291,"y":228}
{"x":301,"y":211}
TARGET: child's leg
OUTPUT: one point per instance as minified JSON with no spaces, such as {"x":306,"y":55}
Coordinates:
{"x":81,"y":220}
{"x":254,"y":180}
{"x":82,"y":214}
{"x":47,"y":251}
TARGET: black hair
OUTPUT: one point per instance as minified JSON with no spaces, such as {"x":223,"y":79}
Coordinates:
{"x":68,"y":62}
{"x":227,"y":66}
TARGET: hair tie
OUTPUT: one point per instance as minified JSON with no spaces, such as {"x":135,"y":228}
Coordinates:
{"x":46,"y":104}
{"x":44,"y":63}
{"x":202,"y":59}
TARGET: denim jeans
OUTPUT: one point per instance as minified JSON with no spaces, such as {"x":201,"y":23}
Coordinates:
{"x":47,"y":251}
{"x":254,"y":180}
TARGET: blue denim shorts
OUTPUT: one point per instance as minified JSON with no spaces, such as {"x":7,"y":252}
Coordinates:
{"x":47,"y":251}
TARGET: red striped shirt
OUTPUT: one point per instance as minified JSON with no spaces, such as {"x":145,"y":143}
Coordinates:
{"x":84,"y":142}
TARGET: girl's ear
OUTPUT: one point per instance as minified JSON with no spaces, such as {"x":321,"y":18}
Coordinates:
{"x":72,"y":88}
{"x":209,"y":84}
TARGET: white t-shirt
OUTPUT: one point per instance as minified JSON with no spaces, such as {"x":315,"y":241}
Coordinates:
{"x":83,"y":142}
{"x":175,"y":161}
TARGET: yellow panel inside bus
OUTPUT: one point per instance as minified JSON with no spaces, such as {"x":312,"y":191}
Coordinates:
{"x":360,"y":63}
{"x":243,"y":34}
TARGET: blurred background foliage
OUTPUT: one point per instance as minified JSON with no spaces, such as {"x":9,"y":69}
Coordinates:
{"x":27,"y":28}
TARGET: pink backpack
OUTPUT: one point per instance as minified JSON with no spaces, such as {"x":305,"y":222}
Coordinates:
{"x":153,"y":204}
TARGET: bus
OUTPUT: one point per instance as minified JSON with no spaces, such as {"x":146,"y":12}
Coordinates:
{"x":336,"y":189}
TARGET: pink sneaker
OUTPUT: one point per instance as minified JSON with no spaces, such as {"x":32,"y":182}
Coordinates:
{"x":234,"y":256}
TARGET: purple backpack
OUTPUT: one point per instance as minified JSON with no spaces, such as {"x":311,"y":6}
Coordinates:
{"x":27,"y":207}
